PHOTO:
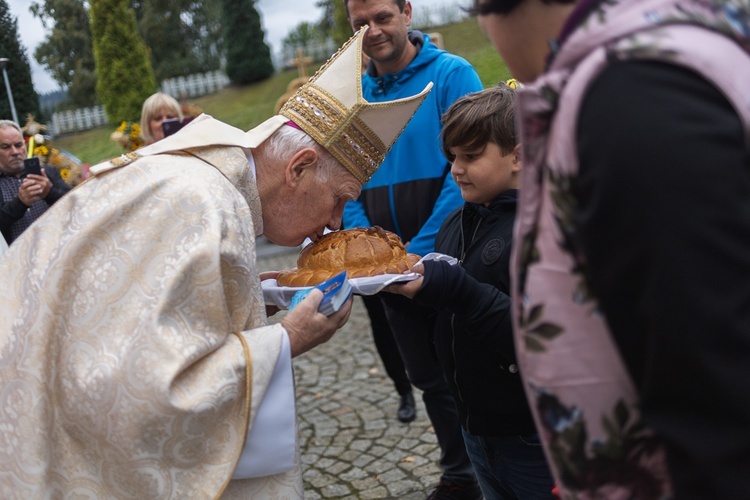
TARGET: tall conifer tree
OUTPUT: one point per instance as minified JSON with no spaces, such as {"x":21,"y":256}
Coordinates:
{"x":125,"y":75}
{"x":25,"y":98}
{"x":248,"y":56}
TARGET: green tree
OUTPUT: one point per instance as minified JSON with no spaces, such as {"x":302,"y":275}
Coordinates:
{"x":25,"y":98}
{"x":248,"y":56}
{"x":66,"y":51}
{"x":302,"y":36}
{"x":334,"y":22}
{"x":125,"y":75}
{"x":183,"y":36}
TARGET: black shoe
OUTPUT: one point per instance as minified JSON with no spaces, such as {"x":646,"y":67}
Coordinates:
{"x":407,"y":411}
{"x":447,"y":490}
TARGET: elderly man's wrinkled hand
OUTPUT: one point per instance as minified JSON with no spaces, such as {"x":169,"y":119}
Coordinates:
{"x":42,"y":181}
{"x":308,"y":328}
{"x":30,"y":191}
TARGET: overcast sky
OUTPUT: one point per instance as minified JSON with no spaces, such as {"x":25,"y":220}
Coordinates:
{"x":278,"y":17}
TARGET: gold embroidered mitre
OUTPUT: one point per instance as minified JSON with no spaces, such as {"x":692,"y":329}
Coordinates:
{"x":330,"y":109}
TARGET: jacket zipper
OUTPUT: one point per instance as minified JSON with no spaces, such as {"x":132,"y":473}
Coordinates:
{"x":455,"y":370}
{"x":453,"y":316}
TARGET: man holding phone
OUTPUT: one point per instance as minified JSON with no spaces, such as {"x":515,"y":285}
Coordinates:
{"x":24,"y":196}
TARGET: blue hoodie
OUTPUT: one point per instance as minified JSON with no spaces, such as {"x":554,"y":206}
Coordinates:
{"x":413,"y":192}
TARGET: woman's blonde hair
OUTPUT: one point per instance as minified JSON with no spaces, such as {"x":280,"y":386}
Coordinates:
{"x":151,"y":106}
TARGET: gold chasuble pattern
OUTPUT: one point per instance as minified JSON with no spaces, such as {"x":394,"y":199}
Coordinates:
{"x":122,"y":370}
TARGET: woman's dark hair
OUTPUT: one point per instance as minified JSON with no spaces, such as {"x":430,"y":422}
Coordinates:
{"x":484,"y":7}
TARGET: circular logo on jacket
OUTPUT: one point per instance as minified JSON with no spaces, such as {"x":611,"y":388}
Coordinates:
{"x":492,"y":251}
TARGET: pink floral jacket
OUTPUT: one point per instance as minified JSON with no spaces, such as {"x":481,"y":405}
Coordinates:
{"x":583,"y":399}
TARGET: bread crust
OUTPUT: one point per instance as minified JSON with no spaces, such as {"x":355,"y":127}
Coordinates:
{"x":362,"y":252}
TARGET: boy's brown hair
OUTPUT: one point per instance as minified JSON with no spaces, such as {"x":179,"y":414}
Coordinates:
{"x":481,"y":117}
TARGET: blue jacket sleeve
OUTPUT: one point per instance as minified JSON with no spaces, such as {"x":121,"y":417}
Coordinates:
{"x":354,"y":215}
{"x":461,"y":80}
{"x":449,"y":199}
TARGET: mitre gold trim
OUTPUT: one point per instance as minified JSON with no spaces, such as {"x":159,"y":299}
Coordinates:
{"x":330,"y":108}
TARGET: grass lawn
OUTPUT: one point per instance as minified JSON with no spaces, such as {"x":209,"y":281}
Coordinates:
{"x":247,"y":106}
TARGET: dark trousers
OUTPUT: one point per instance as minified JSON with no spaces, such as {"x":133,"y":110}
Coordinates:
{"x":412,"y":327}
{"x":510,"y":467}
{"x":386,"y":344}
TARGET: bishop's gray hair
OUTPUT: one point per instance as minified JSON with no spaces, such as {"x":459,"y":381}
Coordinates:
{"x":286,"y":141}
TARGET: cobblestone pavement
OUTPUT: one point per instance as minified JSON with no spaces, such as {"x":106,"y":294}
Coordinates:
{"x":353,"y":447}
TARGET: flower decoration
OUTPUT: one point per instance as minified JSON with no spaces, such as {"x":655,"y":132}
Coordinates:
{"x":128,"y":135}
{"x":513,"y":83}
{"x":71,"y":170}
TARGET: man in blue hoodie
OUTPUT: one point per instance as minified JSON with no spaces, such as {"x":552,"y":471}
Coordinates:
{"x":411,"y":194}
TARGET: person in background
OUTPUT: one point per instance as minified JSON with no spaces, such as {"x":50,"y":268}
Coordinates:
{"x":386,"y":344}
{"x":473,"y":332}
{"x":157,"y":108}
{"x":23,"y":198}
{"x":410,"y":195}
{"x":630,"y":276}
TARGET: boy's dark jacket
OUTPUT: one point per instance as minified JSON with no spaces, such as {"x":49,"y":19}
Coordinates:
{"x":473,"y":336}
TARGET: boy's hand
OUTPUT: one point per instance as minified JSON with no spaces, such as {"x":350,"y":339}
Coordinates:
{"x":410,"y":288}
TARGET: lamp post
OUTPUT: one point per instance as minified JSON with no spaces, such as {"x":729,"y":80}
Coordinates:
{"x":4,"y":62}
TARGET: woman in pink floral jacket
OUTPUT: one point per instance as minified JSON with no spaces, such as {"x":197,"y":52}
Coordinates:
{"x":632,"y":257}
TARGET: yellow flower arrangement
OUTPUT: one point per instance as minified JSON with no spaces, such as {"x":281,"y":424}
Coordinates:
{"x":71,"y":170}
{"x":128,"y":135}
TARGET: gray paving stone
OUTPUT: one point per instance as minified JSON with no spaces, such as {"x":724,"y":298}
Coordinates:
{"x":335,"y":491}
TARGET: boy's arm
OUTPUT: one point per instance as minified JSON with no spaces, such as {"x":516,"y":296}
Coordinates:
{"x":450,"y":287}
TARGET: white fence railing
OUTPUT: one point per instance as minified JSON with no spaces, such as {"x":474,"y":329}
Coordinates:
{"x":185,"y":86}
{"x":77,"y":120}
{"x":195,"y":85}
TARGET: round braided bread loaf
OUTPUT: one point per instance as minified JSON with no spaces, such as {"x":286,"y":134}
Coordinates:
{"x":361,"y":251}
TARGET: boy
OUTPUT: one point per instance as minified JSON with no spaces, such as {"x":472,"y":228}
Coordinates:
{"x":473,"y":335}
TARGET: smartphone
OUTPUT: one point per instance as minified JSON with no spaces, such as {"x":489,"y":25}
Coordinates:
{"x":171,"y":126}
{"x":32,"y":165}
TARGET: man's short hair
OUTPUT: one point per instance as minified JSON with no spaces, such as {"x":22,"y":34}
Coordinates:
{"x":481,"y":117}
{"x":401,"y":5}
{"x":10,"y":123}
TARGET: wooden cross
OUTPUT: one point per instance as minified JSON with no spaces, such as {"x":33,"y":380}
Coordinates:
{"x":301,"y":62}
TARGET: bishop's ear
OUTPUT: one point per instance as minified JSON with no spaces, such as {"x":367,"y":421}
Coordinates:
{"x":302,"y":164}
